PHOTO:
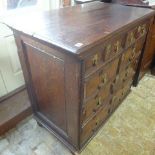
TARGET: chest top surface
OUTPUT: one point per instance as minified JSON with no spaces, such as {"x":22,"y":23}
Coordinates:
{"x":77,"y":28}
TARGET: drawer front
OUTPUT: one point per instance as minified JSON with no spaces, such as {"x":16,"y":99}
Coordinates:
{"x":127,"y":58}
{"x":131,"y":37}
{"x":92,"y":105}
{"x":131,"y":54}
{"x":122,"y":78}
{"x":96,"y":59}
{"x":138,"y":47}
{"x":114,"y":48}
{"x":120,"y":94}
{"x":104,"y":53}
{"x":98,"y":80}
{"x":91,"y":127}
{"x":136,"y":33}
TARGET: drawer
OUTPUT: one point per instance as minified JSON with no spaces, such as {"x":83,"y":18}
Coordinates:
{"x":131,"y":37}
{"x":136,"y":33}
{"x":116,"y":99}
{"x":91,"y":106}
{"x":138,"y":47}
{"x":122,"y":78}
{"x":91,"y":127}
{"x":120,"y":94}
{"x":126,"y":88}
{"x":127,"y":58}
{"x":96,"y":59}
{"x":131,"y":56}
{"x":134,"y":64}
{"x":104,"y":53}
{"x":142,"y":30}
{"x":114,"y":48}
{"x":96,"y":81}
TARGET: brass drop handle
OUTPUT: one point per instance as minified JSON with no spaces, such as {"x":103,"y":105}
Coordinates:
{"x":124,"y":80}
{"x":130,"y":59}
{"x":126,"y":74}
{"x":97,"y":122}
{"x":134,"y":52}
{"x":84,"y":112}
{"x":104,"y":78}
{"x":108,"y":49}
{"x":123,"y":93}
{"x":99,"y":101}
{"x":116,"y":46}
{"x":117,"y":78}
{"x":114,"y":99}
{"x":95,"y":60}
{"x":139,"y":28}
{"x":143,"y":29}
{"x":132,"y":37}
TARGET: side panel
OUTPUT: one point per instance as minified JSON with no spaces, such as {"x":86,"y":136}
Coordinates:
{"x":47,"y":73}
{"x":53,"y":81}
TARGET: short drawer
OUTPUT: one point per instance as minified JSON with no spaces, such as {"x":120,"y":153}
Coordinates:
{"x":104,"y":53}
{"x":91,"y":127}
{"x":116,"y":99}
{"x":96,"y":81}
{"x":95,"y":59}
{"x":131,"y":37}
{"x":138,"y":47}
{"x":91,"y":106}
{"x":120,"y":94}
{"x":114,"y":48}
{"x":136,"y":33}
{"x":127,"y":58}
{"x":122,"y":78}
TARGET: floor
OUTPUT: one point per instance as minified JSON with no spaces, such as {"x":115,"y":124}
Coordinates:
{"x":130,"y":130}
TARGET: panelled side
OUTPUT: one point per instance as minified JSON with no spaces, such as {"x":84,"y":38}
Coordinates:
{"x":53,"y":80}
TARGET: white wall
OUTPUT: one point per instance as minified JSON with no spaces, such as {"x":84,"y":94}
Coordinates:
{"x":11,"y":76}
{"x":48,"y":4}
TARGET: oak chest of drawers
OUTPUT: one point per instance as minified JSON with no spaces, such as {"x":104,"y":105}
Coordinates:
{"x":79,"y":63}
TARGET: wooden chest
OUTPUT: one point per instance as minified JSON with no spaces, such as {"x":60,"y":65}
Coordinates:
{"x":79,"y":63}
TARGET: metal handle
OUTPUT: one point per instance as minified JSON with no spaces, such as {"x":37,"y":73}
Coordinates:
{"x":95,"y":60}
{"x":116,"y":46}
{"x":134,"y":52}
{"x":84,"y":112}
{"x":104,"y":78}
{"x":97,"y":122}
{"x":108,"y":49}
{"x":132,"y":37}
{"x":98,"y":101}
{"x":143,"y":29}
{"x":114,"y":99}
